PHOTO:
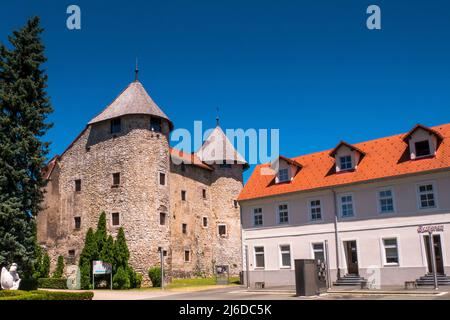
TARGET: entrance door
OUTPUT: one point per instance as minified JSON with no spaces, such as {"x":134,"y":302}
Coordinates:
{"x":351,"y":255}
{"x":437,"y":251}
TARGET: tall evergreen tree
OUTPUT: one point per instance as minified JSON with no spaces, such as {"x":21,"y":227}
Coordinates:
{"x":24,"y":108}
{"x":101,"y":233}
{"x":88,"y":254}
{"x":107,"y":254}
{"x":121,"y":252}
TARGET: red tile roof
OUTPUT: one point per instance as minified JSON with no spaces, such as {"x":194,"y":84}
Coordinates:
{"x":189,"y":158}
{"x":384,"y":157}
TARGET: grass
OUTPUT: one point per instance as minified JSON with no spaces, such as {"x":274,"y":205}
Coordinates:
{"x":44,"y":295}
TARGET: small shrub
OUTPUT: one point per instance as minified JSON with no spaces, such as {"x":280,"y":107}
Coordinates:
{"x":59,"y":268}
{"x":121,"y":279}
{"x":138,"y":282}
{"x":155,"y":276}
{"x":52,"y":283}
{"x":28,"y":284}
{"x":135,"y":278}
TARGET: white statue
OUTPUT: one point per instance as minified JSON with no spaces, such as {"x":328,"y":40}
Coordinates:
{"x":10,"y":279}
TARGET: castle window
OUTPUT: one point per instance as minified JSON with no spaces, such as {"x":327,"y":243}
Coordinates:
{"x":422,"y":148}
{"x":183,"y":195}
{"x":116,"y":179}
{"x":162,"y":178}
{"x":205,"y":222}
{"x":222,"y":230}
{"x":77,"y":221}
{"x":235,"y":203}
{"x":187,"y":255}
{"x":155,"y":124}
{"x":115,"y":218}
{"x":225,"y":165}
{"x":162,"y":218}
{"x":71,"y":257}
{"x":204,"y":193}
{"x":184,"y":228}
{"x":116,"y":125}
{"x":183,"y":167}
{"x":78,"y":185}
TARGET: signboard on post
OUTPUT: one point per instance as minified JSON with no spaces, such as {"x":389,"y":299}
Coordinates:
{"x":100,"y":267}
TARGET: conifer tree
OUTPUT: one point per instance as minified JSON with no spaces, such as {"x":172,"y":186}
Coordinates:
{"x":24,"y":108}
{"x":59,"y":271}
{"x":121,"y":252}
{"x":107,"y":254}
{"x":45,"y":266}
{"x":101,"y":233}
{"x":88,"y":254}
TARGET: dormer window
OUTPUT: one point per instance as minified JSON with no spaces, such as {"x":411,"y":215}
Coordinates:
{"x":286,"y":169}
{"x":283,"y":175}
{"x":346,"y":162}
{"x":155,"y":124}
{"x":116,"y":125}
{"x":422,"y":148}
{"x":347,"y":157}
{"x":422,"y":141}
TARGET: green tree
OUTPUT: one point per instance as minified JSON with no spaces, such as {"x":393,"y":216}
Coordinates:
{"x":88,"y":254}
{"x":121,"y":279}
{"x":59,"y":271}
{"x":24,"y":108}
{"x":101,"y":233}
{"x":121,"y":253}
{"x":107,"y":254}
{"x":45,"y":266}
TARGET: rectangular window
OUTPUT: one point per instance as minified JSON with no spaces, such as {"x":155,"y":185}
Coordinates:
{"x":259,"y":257}
{"x":257,"y":217}
{"x":222,"y":230}
{"x":225,"y":165}
{"x":205,"y":222}
{"x":283,"y":175}
{"x":78,"y":185}
{"x":187,"y":255}
{"x":427,"y":198}
{"x":204,"y":193}
{"x":71,"y":257}
{"x":155,"y":124}
{"x":116,"y":179}
{"x":386,"y":200}
{"x":391,"y":251}
{"x":235,"y":203}
{"x":116,"y":125}
{"x":115,"y":218}
{"x":283,"y":214}
{"x":347,"y":206}
{"x":77,"y":223}
{"x":318,"y":251}
{"x":183,"y":195}
{"x":346,"y":162}
{"x":422,"y":148}
{"x":184,"y":228}
{"x":285,"y":252}
{"x":162,"y":218}
{"x":316,"y":210}
{"x":162,"y":178}
{"x":183,"y":167}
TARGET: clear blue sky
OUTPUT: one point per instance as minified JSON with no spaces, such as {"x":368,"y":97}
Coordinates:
{"x":310,"y":68}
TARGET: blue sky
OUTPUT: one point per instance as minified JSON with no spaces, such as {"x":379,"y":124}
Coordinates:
{"x":310,"y":68}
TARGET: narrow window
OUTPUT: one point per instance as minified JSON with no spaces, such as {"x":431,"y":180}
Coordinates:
{"x":259,"y":257}
{"x":285,"y":252}
{"x":235,"y":203}
{"x":115,"y":218}
{"x":116,"y":125}
{"x":155,"y":124}
{"x":225,"y":165}
{"x":78,"y":185}
{"x":347,"y":206}
{"x":71,"y":257}
{"x":187,"y":255}
{"x":77,"y":223}
{"x":184,"y":228}
{"x":283,"y":175}
{"x":183,"y":195}
{"x":162,"y":178}
{"x":162,"y":218}
{"x":222,"y":230}
{"x":316,"y":210}
{"x":205,"y":222}
{"x":391,"y":251}
{"x":283,"y":214}
{"x":116,"y":179}
{"x":426,"y":196}
{"x":422,"y":148}
{"x":204,"y":193}
{"x":257,"y":217}
{"x":346,"y":162}
{"x":386,"y":201}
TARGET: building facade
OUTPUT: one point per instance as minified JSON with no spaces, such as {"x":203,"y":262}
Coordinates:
{"x":364,"y":209}
{"x":163,"y":198}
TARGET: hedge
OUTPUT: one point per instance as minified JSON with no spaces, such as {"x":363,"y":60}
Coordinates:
{"x":52,"y":283}
{"x":44,"y":295}
{"x":28,"y":284}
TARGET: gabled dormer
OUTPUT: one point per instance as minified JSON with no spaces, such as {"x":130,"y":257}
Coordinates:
{"x":422,"y":141}
{"x":286,"y":169}
{"x":347,"y":157}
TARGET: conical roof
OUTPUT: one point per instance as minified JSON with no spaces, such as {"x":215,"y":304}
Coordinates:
{"x":217,"y":148}
{"x":133,"y":100}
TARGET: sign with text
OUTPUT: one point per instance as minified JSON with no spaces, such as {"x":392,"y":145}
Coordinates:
{"x":428,"y":229}
{"x":100,"y":267}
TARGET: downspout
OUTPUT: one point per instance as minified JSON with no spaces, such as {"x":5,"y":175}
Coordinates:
{"x":245,"y":249}
{"x":336,"y":234}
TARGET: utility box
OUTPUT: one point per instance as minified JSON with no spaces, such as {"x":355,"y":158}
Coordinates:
{"x":306,"y":279}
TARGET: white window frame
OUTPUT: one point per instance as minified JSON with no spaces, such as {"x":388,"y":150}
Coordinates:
{"x":310,"y":209}
{"x":226,"y":230}
{"x":254,"y":256}
{"x":383,"y":251}
{"x":430,"y":146}
{"x":278,"y":214}
{"x":379,"y":190}
{"x":313,"y":251}
{"x":253,"y":217}
{"x":351,"y":162}
{"x":280,"y":255}
{"x":287,"y":175}
{"x":435,"y":193}
{"x":353,"y":205}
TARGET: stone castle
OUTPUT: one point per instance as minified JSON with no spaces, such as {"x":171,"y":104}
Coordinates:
{"x":122,"y":164}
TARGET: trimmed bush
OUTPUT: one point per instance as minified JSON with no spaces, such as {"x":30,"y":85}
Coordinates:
{"x":155,"y":276}
{"x":28,"y":284}
{"x":45,"y":295}
{"x":59,"y":268}
{"x":135,"y":278}
{"x":52,"y":283}
{"x":121,"y":280}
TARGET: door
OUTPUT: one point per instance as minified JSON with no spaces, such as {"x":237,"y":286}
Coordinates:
{"x":351,"y":254}
{"x":437,"y":251}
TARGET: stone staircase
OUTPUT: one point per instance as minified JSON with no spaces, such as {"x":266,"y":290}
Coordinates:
{"x":349,"y":280}
{"x":428,"y":280}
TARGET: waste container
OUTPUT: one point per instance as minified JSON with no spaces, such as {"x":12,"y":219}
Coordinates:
{"x":306,"y":281}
